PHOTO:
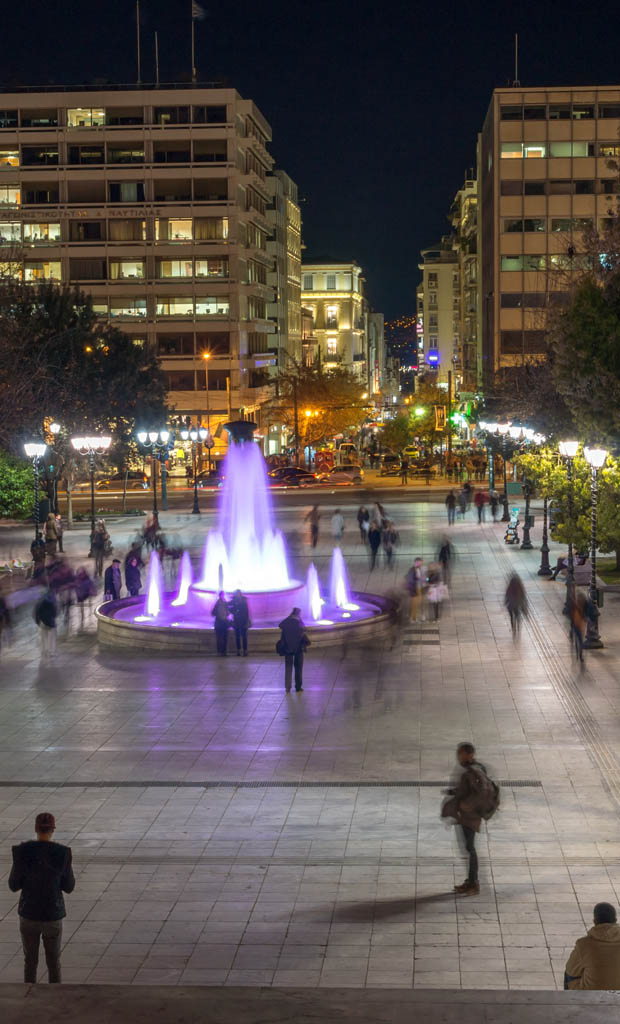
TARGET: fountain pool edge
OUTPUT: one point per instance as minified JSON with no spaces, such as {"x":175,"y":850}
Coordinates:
{"x":118,"y":633}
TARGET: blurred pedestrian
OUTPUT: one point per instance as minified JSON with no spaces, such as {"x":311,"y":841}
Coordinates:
{"x":112,"y":581}
{"x":221,"y":624}
{"x":5,"y":620}
{"x":374,"y":541}
{"x":594,"y":964}
{"x":99,"y":543}
{"x":292,"y":646}
{"x":314,"y":517}
{"x":388,"y":538}
{"x":515,"y":600}
{"x":45,"y":613}
{"x":437,"y":591}
{"x":451,"y":507}
{"x":84,"y":589}
{"x":42,"y":870}
{"x":577,"y":615}
{"x":480,"y":499}
{"x":363,"y":521}
{"x":337,"y":524}
{"x":494,"y":502}
{"x":414,"y":581}
{"x":404,"y":469}
{"x":59,"y":531}
{"x":444,"y":558}
{"x":467,"y":493}
{"x":462,"y":502}
{"x":241,"y":621}
{"x":51,"y":535}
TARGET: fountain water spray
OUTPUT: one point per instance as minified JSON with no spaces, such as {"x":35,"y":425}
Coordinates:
{"x":154,"y":586}
{"x":184,"y":580}
{"x":313,"y":593}
{"x":339,"y":583}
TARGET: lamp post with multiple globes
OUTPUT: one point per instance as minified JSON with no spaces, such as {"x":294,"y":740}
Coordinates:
{"x":92,"y":445}
{"x":195,"y":434}
{"x":596,"y":458}
{"x":35,"y":450}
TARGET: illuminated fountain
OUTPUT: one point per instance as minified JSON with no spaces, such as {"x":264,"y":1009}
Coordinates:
{"x":244,"y":552}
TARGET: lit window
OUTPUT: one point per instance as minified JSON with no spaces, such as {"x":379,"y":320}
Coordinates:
{"x":10,"y":195}
{"x":9,"y":158}
{"x":331,"y":316}
{"x":571,"y":149}
{"x":516,"y":150}
{"x":330,"y":282}
{"x":308,"y":285}
{"x":607,"y":149}
{"x":125,"y":269}
{"x":175,"y":268}
{"x":332,"y":346}
{"x":169,"y":229}
{"x":41,"y":233}
{"x":213,"y":307}
{"x":85,"y":117}
{"x":128,"y":306}
{"x":100,"y":308}
{"x":8,"y":268}
{"x":43,"y":271}
{"x":571,"y":223}
{"x":10,"y":233}
{"x":213,"y":267}
{"x":175,"y":307}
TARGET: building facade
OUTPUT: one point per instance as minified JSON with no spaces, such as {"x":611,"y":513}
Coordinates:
{"x":439,"y":312}
{"x":334,"y":294}
{"x":156,"y":202}
{"x":376,"y":353}
{"x":464,"y":218}
{"x":544,"y":177}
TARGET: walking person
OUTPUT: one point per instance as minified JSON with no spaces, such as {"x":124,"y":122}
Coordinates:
{"x":494,"y":502}
{"x":99,"y":543}
{"x":515,"y":600}
{"x":444,"y":558}
{"x":84,"y":589}
{"x":451,"y":507}
{"x":474,"y":797}
{"x":221,"y":624}
{"x":112,"y":581}
{"x":42,"y":870}
{"x":313,"y":518}
{"x":388,"y":538}
{"x":413,"y":583}
{"x":241,"y":621}
{"x":292,"y":645}
{"x":60,"y":531}
{"x":374,"y":541}
{"x":363,"y":521}
{"x":45,"y":613}
{"x":594,"y":964}
{"x":51,"y":535}
{"x":480,"y":502}
{"x":133,"y":564}
{"x":437,"y":590}
{"x":337,"y":525}
{"x":404,"y":469}
{"x":462,"y":502}
{"x":577,"y":614}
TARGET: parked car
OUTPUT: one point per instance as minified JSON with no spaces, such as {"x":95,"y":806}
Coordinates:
{"x":210,"y":478}
{"x":301,"y":478}
{"x":136,"y":481}
{"x":390,"y":465}
{"x":411,"y":452}
{"x":343,"y":475}
{"x":423,"y":468}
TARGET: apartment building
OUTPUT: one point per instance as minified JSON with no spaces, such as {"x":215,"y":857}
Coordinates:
{"x":376,"y":353}
{"x":464,"y":217}
{"x":156,"y":202}
{"x":544,"y":177}
{"x":285,"y":278}
{"x":334,"y":294}
{"x":439,"y":312}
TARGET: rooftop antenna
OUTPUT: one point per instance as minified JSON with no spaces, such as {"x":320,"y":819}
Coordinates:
{"x":156,"y":61}
{"x":138,"y":40}
{"x":516,"y":83}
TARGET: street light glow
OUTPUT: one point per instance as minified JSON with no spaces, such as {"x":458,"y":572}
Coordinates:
{"x":568,"y":449}
{"x":142,"y":436}
{"x":419,"y":410}
{"x":35,"y":449}
{"x":595,"y":457}
{"x":54,"y":428}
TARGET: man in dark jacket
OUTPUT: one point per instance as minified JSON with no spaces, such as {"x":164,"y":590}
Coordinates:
{"x":294,"y":642}
{"x":221,"y":624}
{"x":112,"y":581}
{"x":42,"y":870}
{"x":464,"y":805}
{"x":133,"y":564}
{"x":241,"y":621}
{"x":45,"y":613}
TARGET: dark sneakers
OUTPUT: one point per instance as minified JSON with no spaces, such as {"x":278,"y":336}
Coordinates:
{"x":468,"y":889}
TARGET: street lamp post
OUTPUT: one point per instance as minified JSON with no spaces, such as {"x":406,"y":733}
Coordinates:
{"x":526,"y":543}
{"x":157,"y":442}
{"x":91,"y":446}
{"x":54,"y":429}
{"x":568,"y":450}
{"x":194,"y":435}
{"x":545,"y":569}
{"x":503,"y":429}
{"x":595,"y":457}
{"x":35,"y":450}
{"x":206,"y":356}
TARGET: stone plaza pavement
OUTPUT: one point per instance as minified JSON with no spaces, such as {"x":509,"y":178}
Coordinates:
{"x":224,"y":834}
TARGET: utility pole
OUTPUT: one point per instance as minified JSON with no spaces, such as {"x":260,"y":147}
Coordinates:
{"x":296,"y":420}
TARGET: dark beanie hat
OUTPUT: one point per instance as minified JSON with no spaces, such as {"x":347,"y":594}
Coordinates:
{"x":44,"y":822}
{"x":604,"y":913}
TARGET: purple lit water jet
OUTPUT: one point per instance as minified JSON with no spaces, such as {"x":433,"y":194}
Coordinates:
{"x":184,"y":580}
{"x":154,"y":586}
{"x":313,"y":593}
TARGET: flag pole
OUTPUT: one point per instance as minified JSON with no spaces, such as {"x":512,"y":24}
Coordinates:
{"x":193,"y":40}
{"x":156,"y":60}
{"x":138,"y":40}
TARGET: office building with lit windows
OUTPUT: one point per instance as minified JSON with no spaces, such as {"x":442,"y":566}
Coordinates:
{"x":439,"y":312}
{"x":156,"y":202}
{"x":334,"y":294}
{"x":544,"y":176}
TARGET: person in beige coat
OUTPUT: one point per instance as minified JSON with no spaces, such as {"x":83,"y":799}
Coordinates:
{"x":595,"y":961}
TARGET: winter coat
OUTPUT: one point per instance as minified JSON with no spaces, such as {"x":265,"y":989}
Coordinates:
{"x":595,"y":960}
{"x":464,"y":804}
{"x":293,"y":634}
{"x":42,"y":870}
{"x":240,"y":612}
{"x":133,"y":564}
{"x":46,"y":611}
{"x":112,"y":582}
{"x":220,"y":614}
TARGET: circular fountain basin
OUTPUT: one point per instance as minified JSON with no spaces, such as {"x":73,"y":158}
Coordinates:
{"x":124,"y":623}
{"x":266,"y":606}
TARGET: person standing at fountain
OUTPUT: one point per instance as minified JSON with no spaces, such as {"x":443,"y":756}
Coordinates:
{"x":241,"y":621}
{"x":363,"y":521}
{"x":337,"y":524}
{"x":112,"y":581}
{"x":221,"y":624}
{"x":133,"y":564}
{"x":313,"y":518}
{"x":292,"y":644}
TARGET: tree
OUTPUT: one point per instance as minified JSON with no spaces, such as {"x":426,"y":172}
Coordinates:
{"x":397,"y":433}
{"x":57,"y":359}
{"x":16,"y":487}
{"x":423,"y":415}
{"x":329,"y":402}
{"x":528,"y":394}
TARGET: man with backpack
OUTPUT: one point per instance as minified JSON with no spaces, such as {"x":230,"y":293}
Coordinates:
{"x":475,"y":797}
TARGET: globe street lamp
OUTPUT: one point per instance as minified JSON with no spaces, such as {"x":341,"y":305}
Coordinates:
{"x":596,"y":458}
{"x":206,"y":356}
{"x":568,"y":450}
{"x":157,"y":443}
{"x":91,"y":446}
{"x":35,"y":450}
{"x":54,"y":429}
{"x":194,"y":435}
{"x":503,"y":429}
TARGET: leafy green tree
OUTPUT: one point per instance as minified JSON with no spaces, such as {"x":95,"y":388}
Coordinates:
{"x":333,"y":399}
{"x":397,"y":433}
{"x":16,"y":487}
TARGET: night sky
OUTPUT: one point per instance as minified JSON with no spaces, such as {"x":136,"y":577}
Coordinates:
{"x":374,"y":106}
